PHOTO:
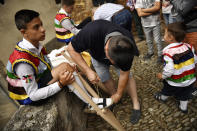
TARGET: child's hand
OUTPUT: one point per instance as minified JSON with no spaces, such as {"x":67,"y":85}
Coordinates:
{"x":159,"y":76}
{"x":66,"y":78}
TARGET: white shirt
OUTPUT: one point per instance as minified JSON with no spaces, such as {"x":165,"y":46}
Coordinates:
{"x":23,"y":69}
{"x":167,"y":9}
{"x":151,"y":20}
{"x":66,"y":23}
{"x":169,"y":69}
{"x":106,"y":11}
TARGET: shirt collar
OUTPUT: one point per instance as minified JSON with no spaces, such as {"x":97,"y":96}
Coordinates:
{"x":64,"y":12}
{"x":115,"y":33}
{"x":25,"y":44}
{"x":171,"y":45}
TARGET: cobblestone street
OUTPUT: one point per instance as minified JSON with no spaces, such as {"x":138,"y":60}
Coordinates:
{"x":156,"y":116}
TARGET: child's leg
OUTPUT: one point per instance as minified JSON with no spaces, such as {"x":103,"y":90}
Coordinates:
{"x":183,"y":106}
{"x":81,"y":85}
{"x":183,"y":94}
{"x":166,"y":91}
{"x":149,"y":38}
{"x":157,"y":38}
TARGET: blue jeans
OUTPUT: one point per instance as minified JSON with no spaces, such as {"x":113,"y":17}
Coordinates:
{"x":124,"y":19}
{"x":168,"y":19}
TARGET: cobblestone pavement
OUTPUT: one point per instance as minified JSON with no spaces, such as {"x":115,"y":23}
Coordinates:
{"x":156,"y":116}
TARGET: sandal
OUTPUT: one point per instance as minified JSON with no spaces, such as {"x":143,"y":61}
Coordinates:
{"x":194,"y":92}
{"x":135,"y":117}
{"x":157,"y":96}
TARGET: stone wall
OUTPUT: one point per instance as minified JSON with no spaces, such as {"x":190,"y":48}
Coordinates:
{"x":61,"y":112}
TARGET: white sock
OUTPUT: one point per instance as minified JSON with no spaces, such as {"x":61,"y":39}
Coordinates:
{"x":183,"y":105}
{"x":82,"y":87}
{"x":163,"y":97}
{"x":95,"y":100}
{"x":109,"y":102}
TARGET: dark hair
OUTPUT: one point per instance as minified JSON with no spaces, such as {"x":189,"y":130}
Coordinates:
{"x":68,"y":2}
{"x":177,"y":30}
{"x":97,"y":3}
{"x":121,"y":50}
{"x":23,"y":17}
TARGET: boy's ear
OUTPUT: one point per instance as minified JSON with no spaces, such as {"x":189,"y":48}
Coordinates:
{"x":22,"y":31}
{"x":171,"y":37}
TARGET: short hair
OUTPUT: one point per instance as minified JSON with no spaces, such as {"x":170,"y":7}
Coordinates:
{"x":97,"y":3}
{"x":68,"y":2}
{"x":121,"y":50}
{"x":23,"y":17}
{"x":177,"y":30}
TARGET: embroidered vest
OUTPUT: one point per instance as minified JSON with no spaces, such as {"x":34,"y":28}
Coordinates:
{"x":19,"y":55}
{"x":184,"y":64}
{"x":62,"y":34}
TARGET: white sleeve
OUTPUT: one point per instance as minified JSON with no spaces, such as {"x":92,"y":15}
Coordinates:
{"x":69,"y":26}
{"x":139,"y":4}
{"x":26,"y":74}
{"x":96,"y":15}
{"x":195,"y":57}
{"x":168,"y":69}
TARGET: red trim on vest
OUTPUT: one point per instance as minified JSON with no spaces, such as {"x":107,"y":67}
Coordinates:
{"x":19,"y":55}
{"x":167,"y":55}
{"x":176,"y":46}
{"x":188,"y":72}
{"x":59,"y":17}
{"x":44,"y":51}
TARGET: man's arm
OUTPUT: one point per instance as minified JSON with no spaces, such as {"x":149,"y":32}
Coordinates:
{"x":122,"y":83}
{"x":78,"y":59}
{"x":142,"y":13}
{"x":155,"y":8}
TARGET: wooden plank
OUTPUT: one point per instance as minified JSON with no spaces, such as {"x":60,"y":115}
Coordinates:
{"x":106,"y":114}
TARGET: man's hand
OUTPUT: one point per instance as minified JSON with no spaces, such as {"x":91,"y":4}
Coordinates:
{"x":116,"y":97}
{"x":92,"y":76}
{"x":159,"y":76}
{"x":66,"y":78}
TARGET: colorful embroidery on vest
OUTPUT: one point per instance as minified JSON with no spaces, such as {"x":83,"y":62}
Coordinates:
{"x":27,"y":78}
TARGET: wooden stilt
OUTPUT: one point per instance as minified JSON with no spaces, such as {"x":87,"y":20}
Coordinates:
{"x":87,"y":86}
{"x":107,"y":114}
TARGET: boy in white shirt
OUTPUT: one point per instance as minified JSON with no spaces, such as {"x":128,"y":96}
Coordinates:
{"x":148,"y":10}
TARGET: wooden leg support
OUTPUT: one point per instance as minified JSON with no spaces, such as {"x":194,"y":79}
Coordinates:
{"x":107,"y":115}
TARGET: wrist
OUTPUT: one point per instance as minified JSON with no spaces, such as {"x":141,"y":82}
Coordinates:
{"x":119,"y":93}
{"x":87,"y":71}
{"x":60,"y":84}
